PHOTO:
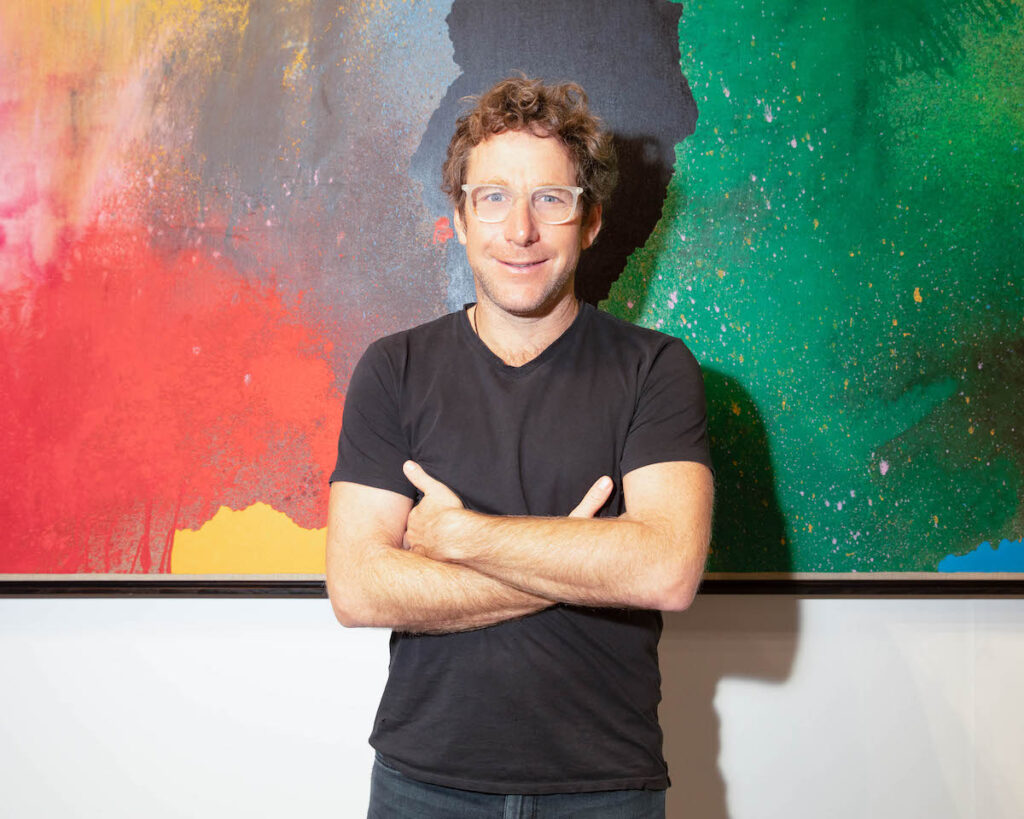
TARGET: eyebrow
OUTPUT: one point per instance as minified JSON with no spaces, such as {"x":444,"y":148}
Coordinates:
{"x":504,"y":184}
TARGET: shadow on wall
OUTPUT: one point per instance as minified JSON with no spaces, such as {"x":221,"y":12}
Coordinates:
{"x":749,"y":530}
{"x":626,"y":57}
{"x":710,"y":641}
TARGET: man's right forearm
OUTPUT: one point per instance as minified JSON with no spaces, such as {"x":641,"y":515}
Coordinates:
{"x":373,"y":581}
{"x":398,"y":589}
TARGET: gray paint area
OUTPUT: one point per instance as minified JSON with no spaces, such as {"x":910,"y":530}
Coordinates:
{"x":302,"y":144}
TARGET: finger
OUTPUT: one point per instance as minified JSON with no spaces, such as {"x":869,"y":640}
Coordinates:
{"x":420,"y":479}
{"x":594,"y":499}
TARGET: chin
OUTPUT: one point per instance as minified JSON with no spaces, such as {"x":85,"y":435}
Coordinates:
{"x":527,"y":302}
{"x":527,"y":307}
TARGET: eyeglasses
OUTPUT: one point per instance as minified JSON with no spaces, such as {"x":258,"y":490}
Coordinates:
{"x":551,"y":204}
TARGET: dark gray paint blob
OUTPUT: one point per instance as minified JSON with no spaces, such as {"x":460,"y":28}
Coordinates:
{"x":626,"y":57}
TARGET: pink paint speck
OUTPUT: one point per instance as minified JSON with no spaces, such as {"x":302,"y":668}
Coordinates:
{"x":883,"y":467}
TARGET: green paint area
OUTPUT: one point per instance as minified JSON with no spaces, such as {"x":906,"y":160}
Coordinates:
{"x":842,"y":247}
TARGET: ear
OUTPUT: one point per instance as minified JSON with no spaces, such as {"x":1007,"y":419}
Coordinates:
{"x":591,"y":227}
{"x":460,"y":225}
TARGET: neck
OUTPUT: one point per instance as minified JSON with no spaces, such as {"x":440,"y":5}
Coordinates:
{"x":517,"y":340}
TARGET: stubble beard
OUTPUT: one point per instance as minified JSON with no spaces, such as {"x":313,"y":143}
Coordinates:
{"x":551,"y":296}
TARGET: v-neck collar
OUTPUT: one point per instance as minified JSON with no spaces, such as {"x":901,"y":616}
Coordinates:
{"x":477,"y":344}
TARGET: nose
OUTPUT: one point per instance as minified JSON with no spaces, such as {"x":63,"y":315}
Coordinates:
{"x":521,"y":224}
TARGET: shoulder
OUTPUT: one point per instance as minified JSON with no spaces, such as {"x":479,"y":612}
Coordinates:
{"x":431,"y":335}
{"x":422,"y":333}
{"x":642,"y":344}
{"x":620,"y":329}
{"x":385,"y":363}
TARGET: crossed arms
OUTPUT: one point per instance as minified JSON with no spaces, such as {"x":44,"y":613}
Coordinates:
{"x":438,"y":567}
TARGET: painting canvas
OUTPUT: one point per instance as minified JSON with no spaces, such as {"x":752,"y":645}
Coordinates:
{"x":208,"y":208}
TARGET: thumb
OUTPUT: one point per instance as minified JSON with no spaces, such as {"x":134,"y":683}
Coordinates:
{"x":594,"y":499}
{"x":420,"y":479}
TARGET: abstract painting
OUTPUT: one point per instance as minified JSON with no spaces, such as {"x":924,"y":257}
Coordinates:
{"x":208,"y":208}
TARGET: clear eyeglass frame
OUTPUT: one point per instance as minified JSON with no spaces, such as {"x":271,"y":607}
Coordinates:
{"x":572,"y":189}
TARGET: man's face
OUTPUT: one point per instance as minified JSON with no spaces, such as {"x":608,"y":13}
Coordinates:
{"x":521,"y":265}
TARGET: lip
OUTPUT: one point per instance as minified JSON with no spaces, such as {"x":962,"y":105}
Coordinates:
{"x":523,"y":266}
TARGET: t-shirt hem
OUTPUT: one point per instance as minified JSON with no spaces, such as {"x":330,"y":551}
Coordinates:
{"x":650,"y":783}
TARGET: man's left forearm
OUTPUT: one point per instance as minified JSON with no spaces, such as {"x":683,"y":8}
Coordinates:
{"x":596,"y":562}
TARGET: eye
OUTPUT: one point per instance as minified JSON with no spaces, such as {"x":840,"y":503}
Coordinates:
{"x":552,"y":196}
{"x":493,"y":196}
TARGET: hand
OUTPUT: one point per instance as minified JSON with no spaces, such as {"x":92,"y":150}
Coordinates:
{"x":422,"y":530}
{"x":423,"y":533}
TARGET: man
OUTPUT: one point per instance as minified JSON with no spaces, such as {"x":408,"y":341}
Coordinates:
{"x":560,"y":463}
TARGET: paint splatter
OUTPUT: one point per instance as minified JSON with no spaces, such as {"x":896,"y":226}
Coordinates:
{"x":442,"y":231}
{"x":1008,"y":556}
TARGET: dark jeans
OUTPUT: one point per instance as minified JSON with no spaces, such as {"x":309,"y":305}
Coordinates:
{"x":396,"y":796}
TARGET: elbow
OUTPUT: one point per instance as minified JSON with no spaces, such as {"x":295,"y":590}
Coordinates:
{"x":678,"y":596}
{"x":349,"y":618}
{"x":347,"y":615}
{"x":349,"y":610}
{"x":676,"y":589}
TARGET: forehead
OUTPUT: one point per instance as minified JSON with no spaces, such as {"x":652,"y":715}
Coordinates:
{"x":523,"y":158}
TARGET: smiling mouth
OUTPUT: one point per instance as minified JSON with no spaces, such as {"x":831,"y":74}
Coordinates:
{"x":523,"y":265}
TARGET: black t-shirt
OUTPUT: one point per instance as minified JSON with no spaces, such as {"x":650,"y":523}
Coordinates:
{"x":564,"y":700}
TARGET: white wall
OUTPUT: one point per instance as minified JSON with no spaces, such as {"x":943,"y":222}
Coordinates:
{"x":774,"y":707}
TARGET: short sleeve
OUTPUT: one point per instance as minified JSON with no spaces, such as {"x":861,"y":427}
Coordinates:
{"x":670,"y":419}
{"x":372,"y":446}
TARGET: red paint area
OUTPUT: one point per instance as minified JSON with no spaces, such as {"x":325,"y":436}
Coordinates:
{"x":442,"y":230}
{"x":142,"y":391}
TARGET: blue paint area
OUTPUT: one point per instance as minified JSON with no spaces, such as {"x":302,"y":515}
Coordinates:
{"x":1008,"y":557}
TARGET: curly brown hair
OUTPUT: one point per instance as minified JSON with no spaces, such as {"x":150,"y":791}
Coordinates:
{"x":559,"y":110}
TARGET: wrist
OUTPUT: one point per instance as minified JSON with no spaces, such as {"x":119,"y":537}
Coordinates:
{"x":455,"y":529}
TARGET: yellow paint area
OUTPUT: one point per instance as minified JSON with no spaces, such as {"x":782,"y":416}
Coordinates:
{"x":256,"y":540}
{"x":62,"y":38}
